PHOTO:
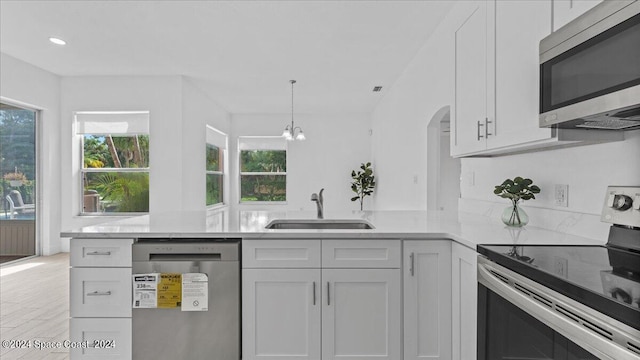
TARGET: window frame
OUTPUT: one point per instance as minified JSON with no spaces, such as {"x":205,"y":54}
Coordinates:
{"x":84,"y":171}
{"x":221,"y":156}
{"x":262,"y":147}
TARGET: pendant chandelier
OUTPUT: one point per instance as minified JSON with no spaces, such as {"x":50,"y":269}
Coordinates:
{"x":292,"y":132}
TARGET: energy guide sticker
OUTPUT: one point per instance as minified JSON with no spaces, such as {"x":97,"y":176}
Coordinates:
{"x":195,"y":292}
{"x":170,"y":290}
{"x":145,"y":290}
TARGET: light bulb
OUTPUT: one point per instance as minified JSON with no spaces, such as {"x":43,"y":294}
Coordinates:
{"x":300,"y":136}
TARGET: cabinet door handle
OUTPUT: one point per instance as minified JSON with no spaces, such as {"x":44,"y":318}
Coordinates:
{"x":314,"y":293}
{"x":328,"y":294}
{"x":107,"y":253}
{"x":480,"y":136}
{"x":99,"y":293}
{"x":411,"y":265}
{"x":486,"y":127}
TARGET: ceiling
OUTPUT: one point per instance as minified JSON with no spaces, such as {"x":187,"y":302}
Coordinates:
{"x":242,"y":53}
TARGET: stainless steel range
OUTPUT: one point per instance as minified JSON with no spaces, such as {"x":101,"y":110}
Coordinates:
{"x":565,"y":302}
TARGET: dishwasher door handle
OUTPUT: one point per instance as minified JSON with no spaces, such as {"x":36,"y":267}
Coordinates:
{"x":185,"y":257}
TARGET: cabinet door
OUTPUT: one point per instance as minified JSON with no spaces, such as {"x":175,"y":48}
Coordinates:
{"x":470,"y":110}
{"x":104,"y":338}
{"x":566,"y":10}
{"x":519,"y":26}
{"x":427,"y":299}
{"x":361,"y":314}
{"x":281,"y":314}
{"x":464,"y":296}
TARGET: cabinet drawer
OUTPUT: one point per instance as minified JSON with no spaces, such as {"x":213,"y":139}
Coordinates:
{"x":361,"y":253}
{"x":281,"y":253}
{"x":101,"y":252}
{"x":112,"y":337}
{"x":100,"y":292}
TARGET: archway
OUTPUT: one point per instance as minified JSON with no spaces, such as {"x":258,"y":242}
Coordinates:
{"x":443,"y":171}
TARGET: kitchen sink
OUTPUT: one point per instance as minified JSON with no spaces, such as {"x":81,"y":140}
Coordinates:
{"x":318,"y":224}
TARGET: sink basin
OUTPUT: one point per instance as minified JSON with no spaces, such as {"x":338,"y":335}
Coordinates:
{"x":318,"y":224}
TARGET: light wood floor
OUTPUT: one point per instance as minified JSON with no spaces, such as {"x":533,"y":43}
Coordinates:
{"x":34,"y":305}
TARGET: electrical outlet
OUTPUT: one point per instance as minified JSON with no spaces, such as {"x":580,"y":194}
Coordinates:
{"x":562,"y":195}
{"x":561,"y":266}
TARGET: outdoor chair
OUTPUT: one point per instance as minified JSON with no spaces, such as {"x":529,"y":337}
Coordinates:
{"x":17,"y":206}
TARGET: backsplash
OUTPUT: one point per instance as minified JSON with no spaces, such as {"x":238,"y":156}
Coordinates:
{"x":563,"y":221}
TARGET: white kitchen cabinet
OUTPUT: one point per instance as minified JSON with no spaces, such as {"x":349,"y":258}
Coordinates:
{"x":427,"y":299}
{"x":566,"y":10}
{"x":464,"y":300}
{"x":281,"y":312}
{"x":93,"y":332}
{"x":496,"y":100}
{"x":519,"y":26}
{"x":361,"y":314}
{"x":100,"y":297}
{"x":336,"y":305}
{"x":473,"y":113}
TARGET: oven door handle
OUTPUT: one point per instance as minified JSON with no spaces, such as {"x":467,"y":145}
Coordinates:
{"x":576,"y":322}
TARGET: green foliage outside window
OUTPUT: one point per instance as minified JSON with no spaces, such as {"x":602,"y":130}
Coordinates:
{"x":17,"y":153}
{"x":215,"y":175}
{"x":109,"y":189}
{"x":263,"y":175}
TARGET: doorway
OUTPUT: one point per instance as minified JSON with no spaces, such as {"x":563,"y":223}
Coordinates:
{"x":443,"y":171}
{"x":18,"y":171}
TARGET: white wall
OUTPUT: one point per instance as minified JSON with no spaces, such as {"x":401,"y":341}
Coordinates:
{"x":25,"y":84}
{"x":335,"y":145}
{"x":400,"y":122}
{"x":179,"y":112}
{"x":198,"y":110}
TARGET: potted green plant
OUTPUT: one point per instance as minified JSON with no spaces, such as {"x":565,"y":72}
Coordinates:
{"x":363,"y":183}
{"x":15,"y":179}
{"x":516,"y":190}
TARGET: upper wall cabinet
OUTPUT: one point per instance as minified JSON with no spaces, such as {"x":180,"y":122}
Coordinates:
{"x":474,"y":95}
{"x":497,"y":81}
{"x":567,"y":10}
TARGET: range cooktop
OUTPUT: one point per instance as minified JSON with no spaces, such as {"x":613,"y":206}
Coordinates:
{"x":602,"y":277}
{"x":605,"y":278}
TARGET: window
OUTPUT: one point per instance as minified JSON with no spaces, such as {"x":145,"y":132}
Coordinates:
{"x":263,"y":169}
{"x":215,"y":148}
{"x":115,"y":162}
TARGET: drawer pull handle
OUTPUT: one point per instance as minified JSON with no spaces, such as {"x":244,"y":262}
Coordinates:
{"x":314,"y":293}
{"x":328,"y":294}
{"x":99,"y":293}
{"x":105,"y":253}
{"x":478,"y":126}
{"x":411,"y":268}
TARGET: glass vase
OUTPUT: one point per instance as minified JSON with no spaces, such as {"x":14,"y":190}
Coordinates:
{"x":514,"y":216}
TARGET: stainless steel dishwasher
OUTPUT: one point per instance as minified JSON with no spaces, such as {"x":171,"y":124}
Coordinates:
{"x":174,"y":334}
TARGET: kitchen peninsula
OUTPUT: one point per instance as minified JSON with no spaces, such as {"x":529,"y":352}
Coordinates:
{"x":413,"y":273}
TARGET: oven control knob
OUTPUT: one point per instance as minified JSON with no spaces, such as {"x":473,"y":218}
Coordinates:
{"x":622,"y":202}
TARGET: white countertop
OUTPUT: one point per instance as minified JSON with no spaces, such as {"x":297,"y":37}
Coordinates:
{"x":467,"y":229}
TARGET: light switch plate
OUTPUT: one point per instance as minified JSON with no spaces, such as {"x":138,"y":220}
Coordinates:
{"x":561,"y":195}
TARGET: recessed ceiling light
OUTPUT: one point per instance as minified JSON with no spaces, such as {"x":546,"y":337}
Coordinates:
{"x":57,"y":41}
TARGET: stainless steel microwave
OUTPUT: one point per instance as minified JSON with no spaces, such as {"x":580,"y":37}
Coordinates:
{"x":590,"y":70}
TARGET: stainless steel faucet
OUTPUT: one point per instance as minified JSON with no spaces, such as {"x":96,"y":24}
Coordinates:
{"x":319,"y":203}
